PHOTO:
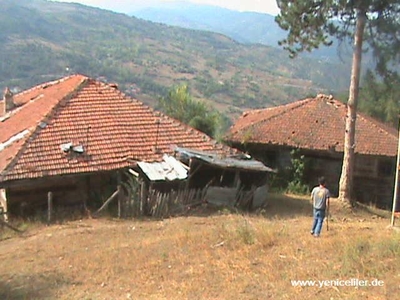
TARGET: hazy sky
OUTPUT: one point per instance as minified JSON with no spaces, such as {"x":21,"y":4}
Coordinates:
{"x":126,"y":6}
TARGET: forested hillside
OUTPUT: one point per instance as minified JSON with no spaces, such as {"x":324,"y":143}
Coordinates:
{"x":244,"y":27}
{"x":378,"y":98}
{"x":45,"y":40}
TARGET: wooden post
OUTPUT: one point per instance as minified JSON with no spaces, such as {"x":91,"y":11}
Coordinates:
{"x":119,"y":195}
{"x":119,"y":201}
{"x":49,"y":206}
{"x":189,"y":174}
{"x":396,"y":182}
{"x":236,"y":181}
{"x":222,"y":176}
{"x":86,"y":197}
{"x":107,"y":202}
{"x":128,"y":205}
{"x":143,"y":197}
{"x":236,"y":185}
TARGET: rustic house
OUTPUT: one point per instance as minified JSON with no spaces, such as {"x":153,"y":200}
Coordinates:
{"x":64,"y":141}
{"x":316,"y":127}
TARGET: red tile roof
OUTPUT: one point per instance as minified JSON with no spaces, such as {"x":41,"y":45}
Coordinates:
{"x":314,"y":123}
{"x":114,"y":130}
{"x":33,"y":106}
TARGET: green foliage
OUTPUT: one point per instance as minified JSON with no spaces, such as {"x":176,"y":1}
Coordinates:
{"x":180,"y":105}
{"x":306,"y":22}
{"x":313,"y":23}
{"x":40,"y":39}
{"x":209,"y":86}
{"x":381,"y":99}
{"x":278,"y":182}
{"x":374,"y":23}
{"x":291,"y":179}
{"x":297,"y":188}
{"x":296,"y":184}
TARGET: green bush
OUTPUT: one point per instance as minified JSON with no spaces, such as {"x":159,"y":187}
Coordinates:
{"x":296,"y":185}
{"x":298,"y":188}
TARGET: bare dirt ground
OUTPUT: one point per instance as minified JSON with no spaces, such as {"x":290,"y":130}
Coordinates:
{"x":208,"y":255}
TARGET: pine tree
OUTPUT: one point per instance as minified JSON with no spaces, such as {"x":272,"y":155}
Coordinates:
{"x":180,"y":105}
{"x":372,"y":23}
{"x":381,"y":98}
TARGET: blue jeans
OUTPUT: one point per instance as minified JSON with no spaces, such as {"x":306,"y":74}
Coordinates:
{"x":319,"y":215}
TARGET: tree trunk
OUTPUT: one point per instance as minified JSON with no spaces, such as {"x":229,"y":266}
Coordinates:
{"x":346,"y":178}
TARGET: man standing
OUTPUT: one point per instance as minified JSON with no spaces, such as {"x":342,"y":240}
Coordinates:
{"x":320,"y":198}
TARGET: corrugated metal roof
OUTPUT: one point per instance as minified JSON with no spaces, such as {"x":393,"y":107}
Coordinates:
{"x":168,"y":170}
{"x":243,"y":161}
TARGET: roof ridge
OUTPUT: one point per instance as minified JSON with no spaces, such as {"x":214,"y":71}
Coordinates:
{"x":48,"y":83}
{"x":36,"y":128}
{"x":295,"y":104}
{"x":374,"y":122}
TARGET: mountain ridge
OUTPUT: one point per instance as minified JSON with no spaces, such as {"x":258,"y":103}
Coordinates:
{"x":244,"y":27}
{"x":45,"y":40}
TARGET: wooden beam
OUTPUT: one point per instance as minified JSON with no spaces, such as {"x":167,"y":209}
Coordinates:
{"x":49,"y":206}
{"x":105,"y":204}
{"x":119,"y":189}
{"x":119,"y":202}
{"x":87,"y":196}
{"x":47,"y":179}
{"x":236,"y":181}
{"x":143,"y":197}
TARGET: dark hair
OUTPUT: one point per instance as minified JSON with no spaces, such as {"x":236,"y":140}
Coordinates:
{"x":321,"y":180}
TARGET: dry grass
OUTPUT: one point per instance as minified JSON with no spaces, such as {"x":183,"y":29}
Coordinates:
{"x":217,"y":255}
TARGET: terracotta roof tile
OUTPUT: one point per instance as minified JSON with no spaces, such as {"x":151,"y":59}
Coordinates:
{"x":314,"y":123}
{"x":113,"y":129}
{"x":33,"y":106}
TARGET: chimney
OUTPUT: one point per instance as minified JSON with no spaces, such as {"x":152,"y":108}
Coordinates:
{"x":8,"y":99}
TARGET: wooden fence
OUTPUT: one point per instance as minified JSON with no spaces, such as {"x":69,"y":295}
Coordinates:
{"x":136,"y":198}
{"x":175,"y":202}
